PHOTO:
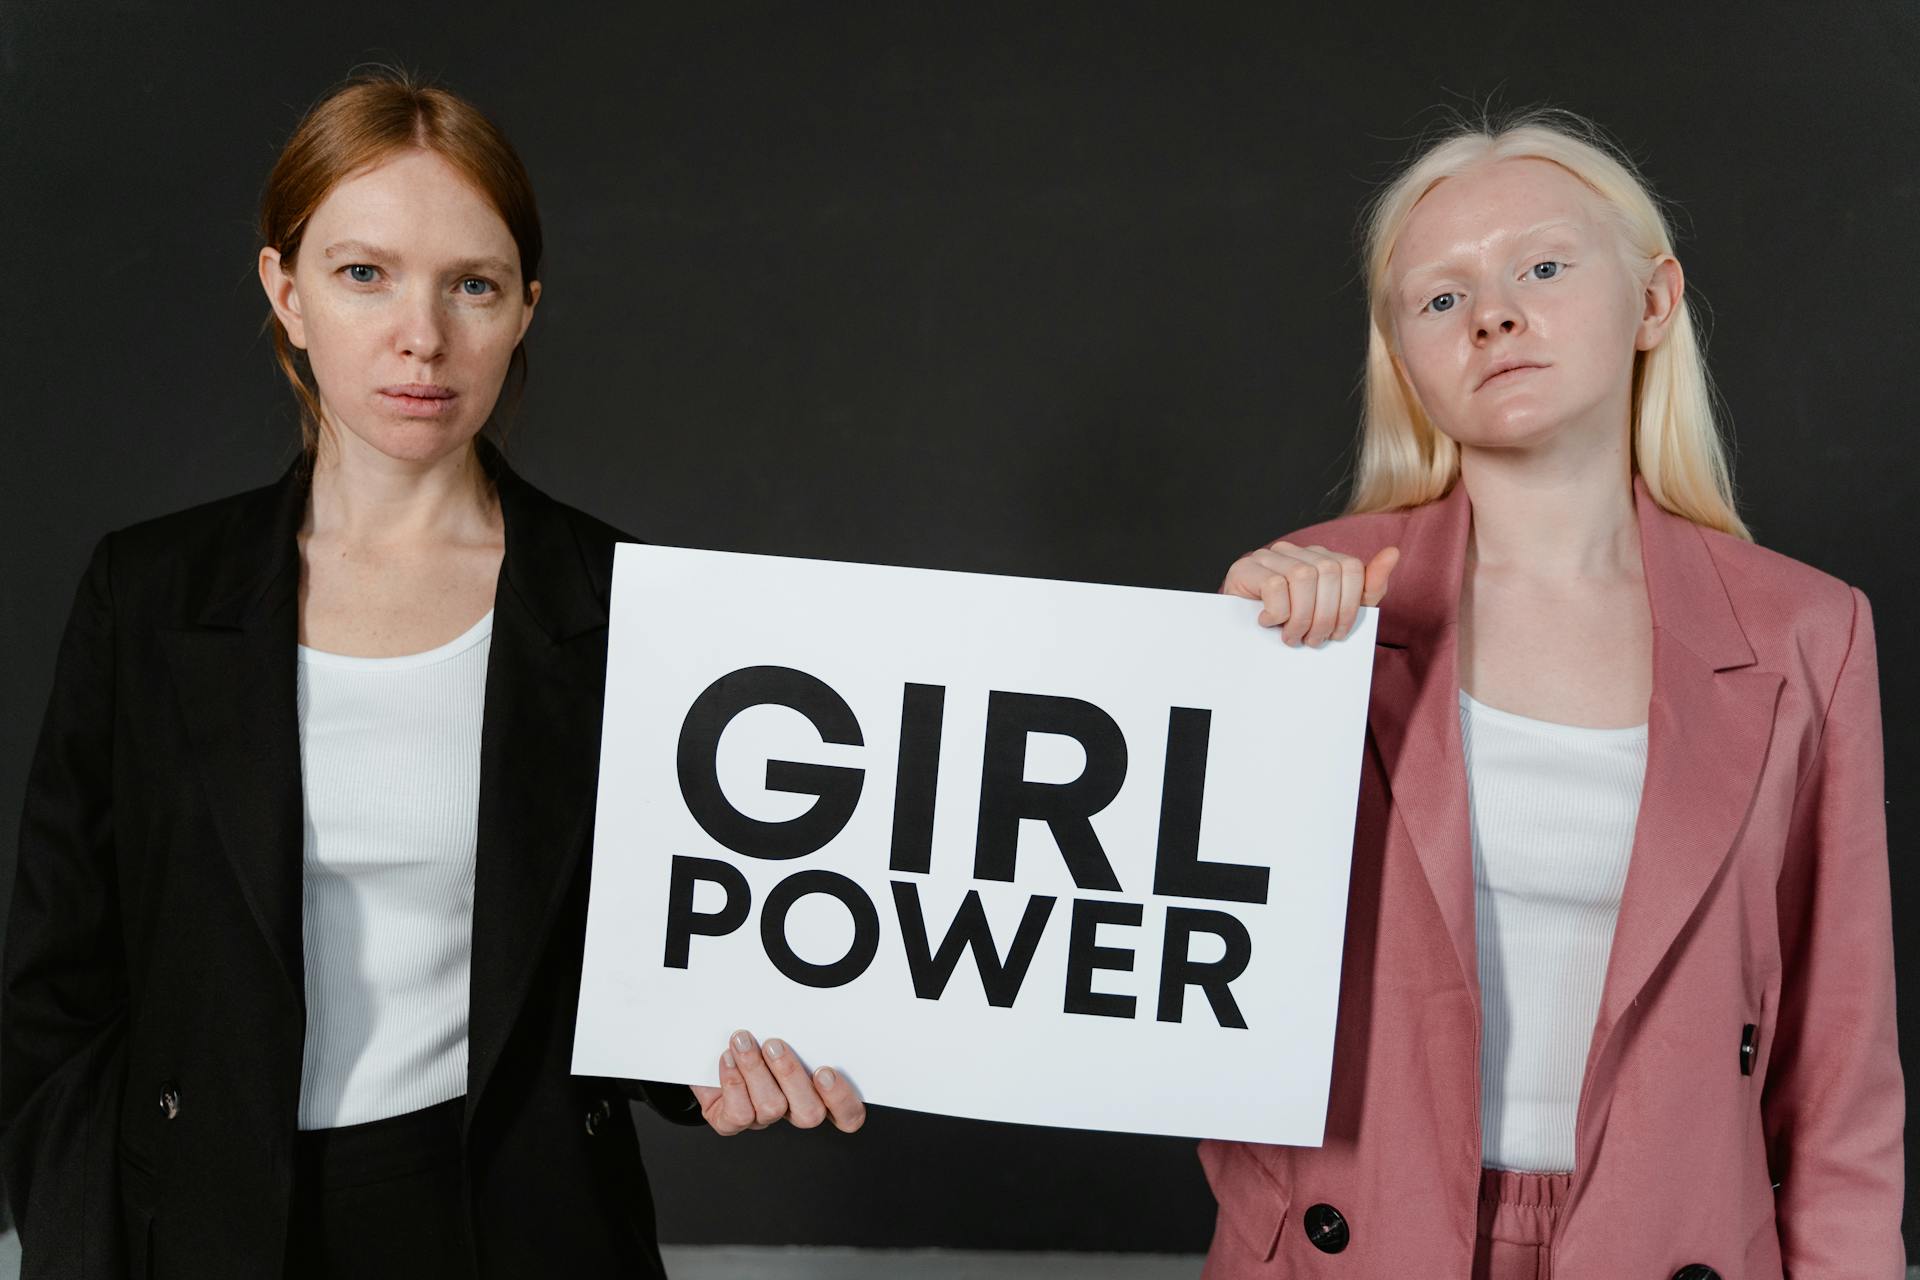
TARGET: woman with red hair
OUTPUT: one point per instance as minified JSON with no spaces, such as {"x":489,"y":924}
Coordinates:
{"x":295,"y":947}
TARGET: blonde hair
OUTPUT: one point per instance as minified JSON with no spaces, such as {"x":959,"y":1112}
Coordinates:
{"x":1404,"y":460}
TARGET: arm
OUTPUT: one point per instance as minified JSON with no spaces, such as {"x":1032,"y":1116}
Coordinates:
{"x":674,"y":1102}
{"x":1834,"y":1102}
{"x":62,"y":1025}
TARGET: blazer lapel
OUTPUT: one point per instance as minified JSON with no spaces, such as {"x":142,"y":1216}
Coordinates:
{"x":234,"y":671}
{"x":1709,"y":726}
{"x":539,"y":752}
{"x":1414,"y":713}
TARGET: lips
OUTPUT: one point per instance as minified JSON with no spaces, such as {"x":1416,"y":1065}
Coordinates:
{"x":419,"y":399}
{"x":1504,"y":367}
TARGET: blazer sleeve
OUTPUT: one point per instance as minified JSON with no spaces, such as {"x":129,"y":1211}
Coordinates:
{"x":673,"y":1102}
{"x":63,"y":1020}
{"x":1834,"y":1103}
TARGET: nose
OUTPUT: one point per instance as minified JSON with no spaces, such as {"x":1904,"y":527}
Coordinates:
{"x":422,"y":332}
{"x":1494,"y":314}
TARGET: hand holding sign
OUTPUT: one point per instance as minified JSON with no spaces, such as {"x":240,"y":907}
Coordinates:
{"x":1310,"y":593}
{"x":760,"y":1087}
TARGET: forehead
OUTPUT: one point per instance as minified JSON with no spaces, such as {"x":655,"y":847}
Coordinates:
{"x":413,"y":198}
{"x":1491,"y":203}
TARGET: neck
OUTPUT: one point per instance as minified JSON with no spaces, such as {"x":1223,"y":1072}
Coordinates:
{"x":1553,"y":515}
{"x":362,"y":497}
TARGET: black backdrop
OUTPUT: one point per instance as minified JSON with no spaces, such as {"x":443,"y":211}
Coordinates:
{"x":1051,"y":289}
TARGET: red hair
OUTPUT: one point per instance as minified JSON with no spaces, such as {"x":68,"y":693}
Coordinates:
{"x":361,"y":123}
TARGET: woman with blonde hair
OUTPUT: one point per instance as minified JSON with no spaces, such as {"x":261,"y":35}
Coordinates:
{"x":1617,"y":992}
{"x":296,"y":932}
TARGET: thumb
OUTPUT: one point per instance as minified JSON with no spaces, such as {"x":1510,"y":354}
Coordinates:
{"x":1379,"y":569}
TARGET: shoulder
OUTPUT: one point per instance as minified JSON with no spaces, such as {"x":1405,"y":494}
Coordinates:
{"x":169,"y":566}
{"x":197,"y":532}
{"x":526,"y":500}
{"x":543,"y":531}
{"x":1359,"y":535}
{"x":596,"y":539}
{"x":590,"y":530}
{"x":1796,"y":617}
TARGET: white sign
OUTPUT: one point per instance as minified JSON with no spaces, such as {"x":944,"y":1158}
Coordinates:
{"x":1022,"y":850}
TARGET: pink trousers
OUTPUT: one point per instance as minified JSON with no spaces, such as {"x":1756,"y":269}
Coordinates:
{"x":1517,"y":1212}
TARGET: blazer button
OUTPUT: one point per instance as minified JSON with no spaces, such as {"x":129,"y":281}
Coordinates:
{"x":169,"y":1101}
{"x":1696,"y":1272}
{"x":598,"y":1114}
{"x":1327,"y":1229}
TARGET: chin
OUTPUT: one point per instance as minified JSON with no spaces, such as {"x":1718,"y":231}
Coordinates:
{"x":417,"y":442}
{"x":1513,"y":427}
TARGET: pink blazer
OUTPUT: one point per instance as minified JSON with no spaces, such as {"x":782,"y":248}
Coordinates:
{"x":1757,"y":895}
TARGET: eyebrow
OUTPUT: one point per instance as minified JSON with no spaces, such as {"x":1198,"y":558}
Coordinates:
{"x":1551,"y":224}
{"x":360,"y":248}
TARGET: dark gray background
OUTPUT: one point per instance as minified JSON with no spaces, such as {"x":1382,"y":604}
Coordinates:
{"x":1065,"y":290}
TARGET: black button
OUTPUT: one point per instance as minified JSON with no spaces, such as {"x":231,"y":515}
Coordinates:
{"x":1328,"y":1230}
{"x":169,"y":1101}
{"x":598,"y":1114}
{"x":1696,"y":1272}
{"x":1747,"y":1048}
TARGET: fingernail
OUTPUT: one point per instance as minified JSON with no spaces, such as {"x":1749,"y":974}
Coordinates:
{"x":727,"y":1058}
{"x":742,"y":1042}
{"x":775,"y":1048}
{"x":825,"y":1076}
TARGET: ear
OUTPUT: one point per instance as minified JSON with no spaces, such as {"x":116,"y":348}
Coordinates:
{"x":1659,"y":303}
{"x":282,"y":296}
{"x":526,"y":317}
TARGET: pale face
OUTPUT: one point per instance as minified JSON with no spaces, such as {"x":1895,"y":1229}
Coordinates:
{"x":407,"y":298}
{"x":1516,"y":312}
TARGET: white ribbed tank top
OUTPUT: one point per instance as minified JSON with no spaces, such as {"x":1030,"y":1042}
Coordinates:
{"x":1553,"y":808}
{"x":390,"y":766}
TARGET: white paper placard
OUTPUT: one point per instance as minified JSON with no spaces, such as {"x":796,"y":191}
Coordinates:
{"x":1246,"y":920}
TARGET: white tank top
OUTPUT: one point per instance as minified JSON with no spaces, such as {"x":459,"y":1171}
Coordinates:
{"x":390,"y":766}
{"x":1553,"y":808}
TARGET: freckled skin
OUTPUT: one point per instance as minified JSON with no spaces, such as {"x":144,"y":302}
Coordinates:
{"x":417,"y":312}
{"x":406,"y":274}
{"x":402,"y":544}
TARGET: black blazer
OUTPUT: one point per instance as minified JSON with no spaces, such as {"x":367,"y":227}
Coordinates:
{"x":151,"y":1036}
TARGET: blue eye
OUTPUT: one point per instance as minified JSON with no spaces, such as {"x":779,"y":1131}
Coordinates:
{"x":1442,"y":302}
{"x":353,"y":273}
{"x":486,"y":287}
{"x":1545,"y":270}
